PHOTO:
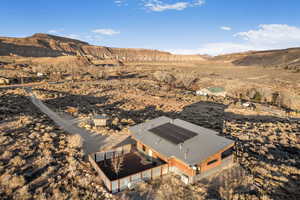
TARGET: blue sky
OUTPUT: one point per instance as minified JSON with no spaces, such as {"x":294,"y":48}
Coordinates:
{"x":180,"y":26}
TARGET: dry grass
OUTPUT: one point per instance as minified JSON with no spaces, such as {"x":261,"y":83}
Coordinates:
{"x":39,"y":161}
{"x":51,"y":162}
{"x":75,"y":141}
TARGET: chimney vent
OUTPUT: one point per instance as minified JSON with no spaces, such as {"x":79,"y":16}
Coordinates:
{"x":186,"y":154}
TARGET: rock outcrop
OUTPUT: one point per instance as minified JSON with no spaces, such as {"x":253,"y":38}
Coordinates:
{"x":44,"y":45}
{"x":4,"y":81}
{"x":284,"y":58}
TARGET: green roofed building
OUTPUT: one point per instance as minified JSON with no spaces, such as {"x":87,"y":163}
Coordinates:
{"x":212,"y":91}
{"x":216,"y":89}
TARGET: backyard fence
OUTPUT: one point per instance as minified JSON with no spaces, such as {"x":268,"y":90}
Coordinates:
{"x":105,"y":155}
{"x":102,"y":176}
{"x":130,"y":180}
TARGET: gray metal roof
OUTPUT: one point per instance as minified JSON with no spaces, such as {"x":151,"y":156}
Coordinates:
{"x":192,"y":151}
{"x":101,"y":116}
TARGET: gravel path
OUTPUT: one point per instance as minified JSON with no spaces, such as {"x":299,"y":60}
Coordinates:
{"x":91,"y":142}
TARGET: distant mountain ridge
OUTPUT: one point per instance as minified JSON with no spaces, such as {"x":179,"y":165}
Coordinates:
{"x":45,"y":45}
{"x":281,"y":58}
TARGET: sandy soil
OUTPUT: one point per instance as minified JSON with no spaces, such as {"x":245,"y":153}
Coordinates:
{"x":267,"y":141}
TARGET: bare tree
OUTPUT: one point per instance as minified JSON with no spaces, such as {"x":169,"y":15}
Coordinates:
{"x":117,"y":163}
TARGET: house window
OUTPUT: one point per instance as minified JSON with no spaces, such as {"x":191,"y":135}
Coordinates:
{"x":227,"y":153}
{"x":212,"y":161}
{"x":144,"y":148}
{"x":198,"y":170}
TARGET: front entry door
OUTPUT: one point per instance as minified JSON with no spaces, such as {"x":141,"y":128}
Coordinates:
{"x":150,"y":153}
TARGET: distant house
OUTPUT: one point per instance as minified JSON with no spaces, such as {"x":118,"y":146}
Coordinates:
{"x":249,"y":105}
{"x":161,"y":146}
{"x":212,"y":91}
{"x":39,"y":74}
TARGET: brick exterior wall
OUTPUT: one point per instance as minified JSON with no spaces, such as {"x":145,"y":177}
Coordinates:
{"x":181,"y":166}
{"x":206,"y":166}
{"x":187,"y":170}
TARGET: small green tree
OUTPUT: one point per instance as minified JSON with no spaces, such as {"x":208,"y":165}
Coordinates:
{"x":257,"y":97}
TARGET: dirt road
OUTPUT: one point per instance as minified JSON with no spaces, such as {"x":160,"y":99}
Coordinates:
{"x":91,"y":142}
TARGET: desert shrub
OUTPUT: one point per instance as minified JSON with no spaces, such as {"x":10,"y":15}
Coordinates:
{"x":96,"y":72}
{"x":6,"y":155}
{"x":275,"y":98}
{"x":257,"y":97}
{"x":16,"y":181}
{"x":102,"y":75}
{"x":284,"y":100}
{"x":186,"y":80}
{"x":118,"y":72}
{"x":12,"y":182}
{"x":165,"y":77}
{"x":182,"y":80}
{"x":17,"y":161}
{"x":75,"y":141}
{"x":251,"y":93}
{"x":178,"y":84}
{"x":23,"y":193}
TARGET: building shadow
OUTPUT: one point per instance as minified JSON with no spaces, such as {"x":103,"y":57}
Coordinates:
{"x":126,"y":76}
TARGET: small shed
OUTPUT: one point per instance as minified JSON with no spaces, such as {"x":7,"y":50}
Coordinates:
{"x":100,"y":120}
{"x":40,"y":74}
{"x":249,"y":105}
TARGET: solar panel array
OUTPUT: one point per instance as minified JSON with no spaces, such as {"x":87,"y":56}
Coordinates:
{"x":172,"y":133}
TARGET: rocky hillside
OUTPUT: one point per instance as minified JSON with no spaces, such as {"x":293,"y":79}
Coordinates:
{"x":44,"y":45}
{"x":285,"y":58}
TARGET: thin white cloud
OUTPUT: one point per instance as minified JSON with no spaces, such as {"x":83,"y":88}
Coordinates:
{"x":52,"y":31}
{"x":272,"y":35}
{"x":215,"y":49}
{"x":55,"y":31}
{"x":163,"y":7}
{"x":267,"y":36}
{"x":120,"y":2}
{"x":106,"y":31}
{"x":198,"y":2}
{"x":159,"y":6}
{"x":93,"y":38}
{"x":225,"y":28}
{"x":73,"y":36}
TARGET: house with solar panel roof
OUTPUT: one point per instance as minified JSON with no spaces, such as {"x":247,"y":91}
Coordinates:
{"x":158,"y":147}
{"x":191,"y":151}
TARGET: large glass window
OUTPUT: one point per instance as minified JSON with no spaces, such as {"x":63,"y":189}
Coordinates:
{"x":198,"y":170}
{"x":144,"y":148}
{"x":227,"y":153}
{"x":212,"y":161}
